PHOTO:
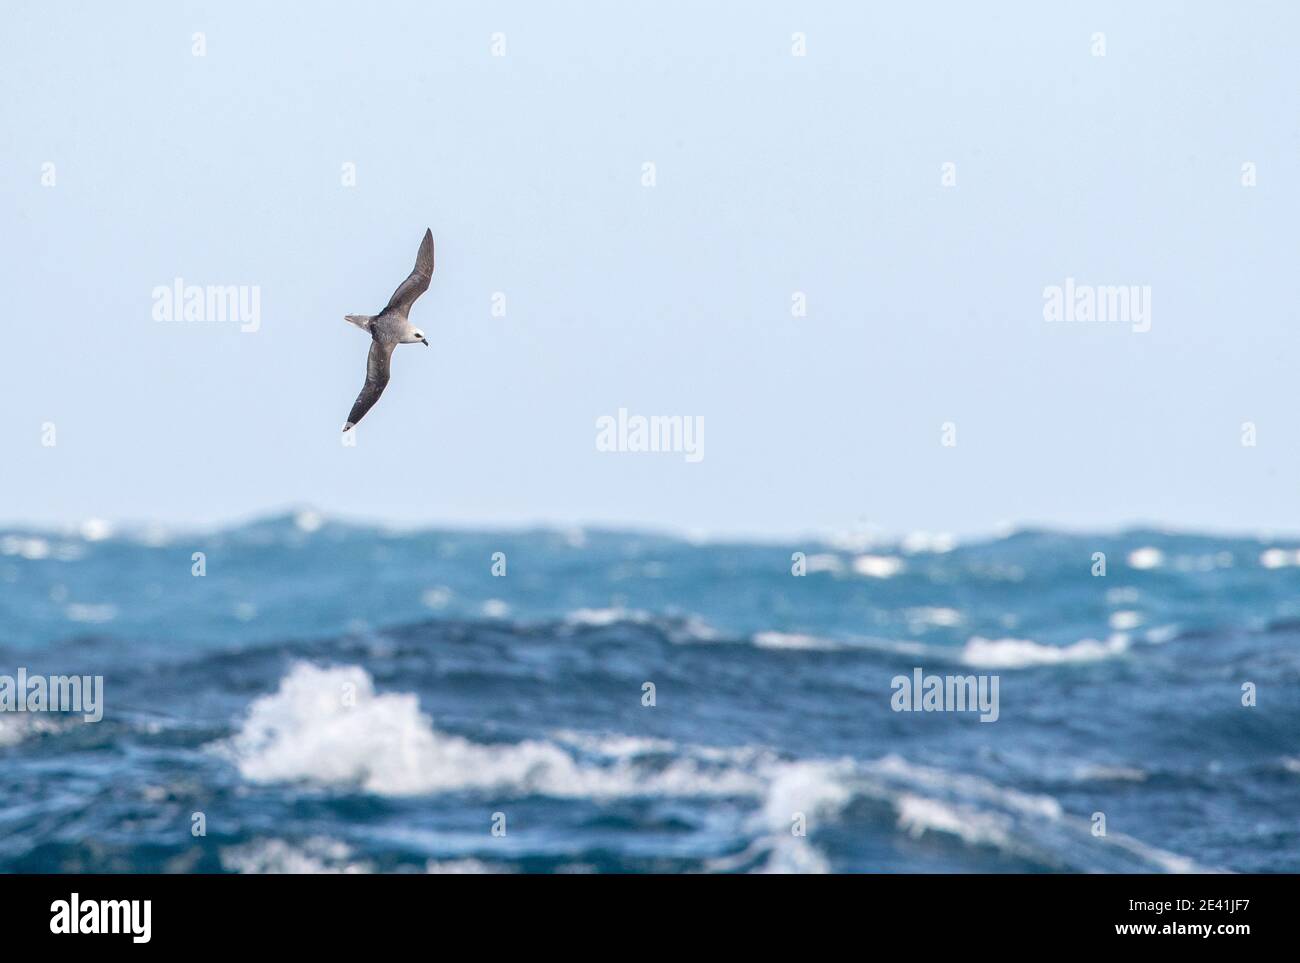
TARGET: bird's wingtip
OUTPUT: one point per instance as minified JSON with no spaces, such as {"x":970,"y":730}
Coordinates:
{"x":347,"y":426}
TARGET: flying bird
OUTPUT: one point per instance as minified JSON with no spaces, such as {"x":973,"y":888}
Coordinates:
{"x":389,"y":328}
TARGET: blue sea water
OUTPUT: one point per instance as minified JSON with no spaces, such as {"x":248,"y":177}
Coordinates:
{"x":336,"y":697}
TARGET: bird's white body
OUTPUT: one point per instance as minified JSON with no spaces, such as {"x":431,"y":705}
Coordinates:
{"x":390,"y":328}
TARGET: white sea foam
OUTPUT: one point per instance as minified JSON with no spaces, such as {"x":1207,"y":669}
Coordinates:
{"x":1003,"y":653}
{"x":682,"y":631}
{"x":1019,"y":653}
{"x":31,"y":548}
{"x":1160,"y":634}
{"x":328,"y":726}
{"x":314,"y":856}
{"x":815,"y":788}
{"x":791,"y":640}
{"x":938,"y":543}
{"x":1125,"y":619}
{"x":606,"y":616}
{"x":613,"y":745}
{"x":811,"y":791}
{"x":878,"y":566}
{"x":918,"y":815}
{"x":1146,"y":557}
{"x":96,"y":530}
{"x":968,"y":807}
{"x":17,"y":726}
{"x":788,"y":854}
{"x":940,"y":782}
{"x":858,"y":540}
{"x":1279,"y":558}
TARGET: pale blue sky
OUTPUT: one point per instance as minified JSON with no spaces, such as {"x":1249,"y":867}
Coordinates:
{"x":775,"y":174}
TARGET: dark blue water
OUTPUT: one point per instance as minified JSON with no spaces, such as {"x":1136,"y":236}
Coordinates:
{"x":332,"y":697}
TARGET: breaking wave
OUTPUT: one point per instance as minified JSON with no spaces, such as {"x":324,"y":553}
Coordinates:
{"x":328,"y":726}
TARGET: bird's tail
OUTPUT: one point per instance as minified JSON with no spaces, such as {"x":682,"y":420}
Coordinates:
{"x":362,"y":321}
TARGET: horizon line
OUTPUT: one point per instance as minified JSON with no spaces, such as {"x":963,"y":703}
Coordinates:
{"x":310,"y":518}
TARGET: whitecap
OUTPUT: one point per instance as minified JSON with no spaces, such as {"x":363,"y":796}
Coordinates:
{"x":1146,"y":557}
{"x":878,"y":566}
{"x":789,"y":854}
{"x":1279,"y":558}
{"x":938,"y":781}
{"x":17,"y":726}
{"x":603,"y":617}
{"x":791,"y":640}
{"x":276,"y":856}
{"x":985,"y":653}
{"x":918,"y":815}
{"x":1125,"y":619}
{"x":329,"y":726}
{"x":813,"y":788}
{"x":937,"y":543}
{"x":1160,"y":634}
{"x":96,"y":530}
{"x":31,"y":548}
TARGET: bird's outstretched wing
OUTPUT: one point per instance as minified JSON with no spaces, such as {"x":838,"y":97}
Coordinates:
{"x":381,"y":353}
{"x":418,"y":282}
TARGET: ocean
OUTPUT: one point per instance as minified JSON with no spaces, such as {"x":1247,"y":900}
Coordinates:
{"x":302,"y":694}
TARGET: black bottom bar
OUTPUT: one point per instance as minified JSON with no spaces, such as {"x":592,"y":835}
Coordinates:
{"x":330,"y":912}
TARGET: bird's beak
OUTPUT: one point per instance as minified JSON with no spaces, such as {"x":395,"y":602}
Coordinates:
{"x":426,"y":341}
